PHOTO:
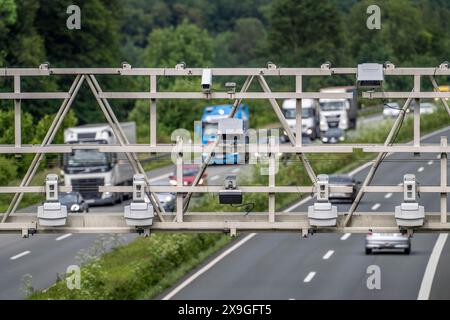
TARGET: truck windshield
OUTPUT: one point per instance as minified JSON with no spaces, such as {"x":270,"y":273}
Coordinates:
{"x":332,"y":106}
{"x":210,"y":129}
{"x":290,"y":113}
{"x":87,"y":158}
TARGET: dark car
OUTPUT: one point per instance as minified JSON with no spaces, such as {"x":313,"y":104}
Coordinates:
{"x":167,"y":200}
{"x":333,"y":135}
{"x":73,"y":201}
{"x":346,"y":181}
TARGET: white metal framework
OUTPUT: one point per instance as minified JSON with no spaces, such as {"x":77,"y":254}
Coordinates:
{"x":213,"y":221}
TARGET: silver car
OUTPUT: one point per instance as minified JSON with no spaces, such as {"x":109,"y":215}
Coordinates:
{"x":396,"y":241}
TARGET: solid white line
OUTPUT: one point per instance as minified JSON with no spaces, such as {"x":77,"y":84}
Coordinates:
{"x":430,"y":162}
{"x":298,"y":204}
{"x":309,"y":277}
{"x":420,"y":169}
{"x":64,"y":236}
{"x":375,"y":206}
{"x":328,"y":255}
{"x":388,"y":195}
{"x":214,"y":178}
{"x":427,"y":281}
{"x":207,"y":267}
{"x":345,"y":236}
{"x":17,"y":256}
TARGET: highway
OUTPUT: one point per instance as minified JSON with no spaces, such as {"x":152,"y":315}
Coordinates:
{"x":328,"y":266}
{"x":44,"y":256}
{"x":267,"y":266}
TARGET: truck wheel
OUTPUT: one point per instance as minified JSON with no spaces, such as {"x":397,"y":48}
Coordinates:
{"x":368,"y":251}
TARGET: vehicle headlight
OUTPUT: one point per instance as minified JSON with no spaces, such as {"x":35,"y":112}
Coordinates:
{"x":200,"y":181}
{"x":341,"y":138}
{"x":256,"y":154}
{"x":325,"y":139}
{"x":309,"y":131}
{"x":75,"y":207}
{"x":279,"y":154}
{"x":173,"y":182}
{"x":168,"y":198}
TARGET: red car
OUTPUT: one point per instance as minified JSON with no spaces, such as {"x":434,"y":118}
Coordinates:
{"x":190,"y":171}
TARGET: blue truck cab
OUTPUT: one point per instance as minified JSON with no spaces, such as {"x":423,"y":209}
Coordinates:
{"x":209,"y":127}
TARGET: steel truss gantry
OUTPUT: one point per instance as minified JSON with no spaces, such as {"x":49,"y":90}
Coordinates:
{"x":182,"y":220}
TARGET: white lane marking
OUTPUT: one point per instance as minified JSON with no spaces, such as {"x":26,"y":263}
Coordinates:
{"x":375,"y":206}
{"x":328,"y":255}
{"x":427,"y":281}
{"x":420,"y":169}
{"x":298,"y":204}
{"x":430,"y":162}
{"x":207,"y":267}
{"x":214,"y":178}
{"x":388,"y":195}
{"x":163,"y":176}
{"x":236,"y":170}
{"x":309,"y":277}
{"x":17,"y":256}
{"x":346,"y":236}
{"x":64,"y":236}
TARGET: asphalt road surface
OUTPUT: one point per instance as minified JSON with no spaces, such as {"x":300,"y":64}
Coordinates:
{"x":268,"y":266}
{"x":329,"y":266}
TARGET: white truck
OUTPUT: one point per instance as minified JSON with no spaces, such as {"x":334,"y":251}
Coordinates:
{"x":339,"y":113}
{"x":87,"y":169}
{"x":310,"y":116}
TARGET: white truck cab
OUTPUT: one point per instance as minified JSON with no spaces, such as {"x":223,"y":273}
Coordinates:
{"x":87,"y":169}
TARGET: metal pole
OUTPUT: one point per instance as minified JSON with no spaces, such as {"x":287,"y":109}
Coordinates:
{"x":153,"y":112}
{"x":298,"y":111}
{"x":417,"y":112}
{"x":443,"y":195}
{"x":279,"y":113}
{"x":179,"y":215}
{"x":236,"y":103}
{"x":377,"y":161}
{"x":17,"y":114}
{"x":271,"y":184}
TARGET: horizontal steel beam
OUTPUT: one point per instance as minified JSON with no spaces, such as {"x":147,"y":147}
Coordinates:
{"x":252,"y":148}
{"x":244,"y":189}
{"x":361,"y":222}
{"x":405,"y":95}
{"x":32,"y":189}
{"x":399,"y":189}
{"x":217,"y":71}
{"x":407,"y":149}
{"x":34,"y":95}
{"x":225,"y":95}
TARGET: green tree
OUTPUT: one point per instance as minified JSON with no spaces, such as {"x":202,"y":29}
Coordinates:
{"x":186,"y":42}
{"x":8,"y":17}
{"x":306,"y":33}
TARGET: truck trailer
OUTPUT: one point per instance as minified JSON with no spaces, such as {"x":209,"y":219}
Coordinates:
{"x":87,"y":169}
